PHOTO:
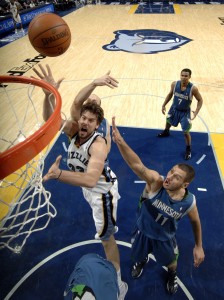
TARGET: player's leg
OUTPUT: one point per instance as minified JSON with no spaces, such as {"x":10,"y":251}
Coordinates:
{"x":166,"y":253}
{"x":187,"y":138}
{"x":166,"y":131}
{"x":104,"y":208}
{"x":14,"y":24}
{"x":171,"y":120}
{"x":21,"y":26}
{"x":111,"y":251}
{"x":186,"y":127}
{"x":141,"y":248}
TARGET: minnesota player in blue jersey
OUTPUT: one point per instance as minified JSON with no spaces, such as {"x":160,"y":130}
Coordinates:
{"x":164,"y":201}
{"x":182,"y":92}
{"x":94,"y":278}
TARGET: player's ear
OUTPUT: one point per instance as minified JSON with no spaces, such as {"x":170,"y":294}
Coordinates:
{"x":185,"y":184}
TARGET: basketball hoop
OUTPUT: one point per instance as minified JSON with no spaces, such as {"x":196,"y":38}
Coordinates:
{"x":24,"y":203}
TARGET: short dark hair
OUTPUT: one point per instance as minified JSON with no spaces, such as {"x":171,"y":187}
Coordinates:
{"x":95,"y":109}
{"x":190,"y":172}
{"x":186,"y":70}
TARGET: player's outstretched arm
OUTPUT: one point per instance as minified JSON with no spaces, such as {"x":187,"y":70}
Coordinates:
{"x":84,"y":93}
{"x":98,"y":151}
{"x":152,"y":178}
{"x":46,"y":75}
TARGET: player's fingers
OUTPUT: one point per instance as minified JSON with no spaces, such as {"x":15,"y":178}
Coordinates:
{"x":48,"y":70}
{"x":113,"y":125}
{"x":34,"y":77}
{"x":58,"y":160}
{"x":111,"y":83}
{"x":114,"y":80}
{"x":38,"y":73}
{"x":42,"y":70}
{"x":45,"y":178}
{"x":60,"y":81}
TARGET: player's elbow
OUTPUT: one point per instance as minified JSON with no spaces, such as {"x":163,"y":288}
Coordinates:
{"x":91,"y":182}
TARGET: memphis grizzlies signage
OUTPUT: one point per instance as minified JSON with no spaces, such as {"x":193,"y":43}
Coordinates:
{"x":146,"y":41}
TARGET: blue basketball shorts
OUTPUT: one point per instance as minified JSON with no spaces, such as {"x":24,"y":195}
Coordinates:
{"x":165,"y":252}
{"x":176,"y":117}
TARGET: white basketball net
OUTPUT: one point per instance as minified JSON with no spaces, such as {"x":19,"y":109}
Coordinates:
{"x":24,"y":203}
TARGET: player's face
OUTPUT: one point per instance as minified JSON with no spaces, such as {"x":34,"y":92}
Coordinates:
{"x":175,"y":179}
{"x":185,"y":77}
{"x":87,"y":124}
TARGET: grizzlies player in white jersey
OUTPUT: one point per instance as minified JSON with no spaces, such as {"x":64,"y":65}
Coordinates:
{"x":163,"y":203}
{"x":14,"y":7}
{"x":180,"y":110}
{"x":84,"y":95}
{"x":89,"y":169}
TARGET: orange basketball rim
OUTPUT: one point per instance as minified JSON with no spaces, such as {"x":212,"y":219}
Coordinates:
{"x":18,"y":155}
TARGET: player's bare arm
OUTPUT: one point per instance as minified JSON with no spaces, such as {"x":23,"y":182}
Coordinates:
{"x":46,"y":75}
{"x":198,"y":251}
{"x":88,"y":179}
{"x":84,"y":93}
{"x":199,"y":99}
{"x":168,"y":97}
{"x":151,"y":177}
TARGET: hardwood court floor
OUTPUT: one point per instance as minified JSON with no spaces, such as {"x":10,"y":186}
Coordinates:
{"x":144,"y":79}
{"x":149,"y":75}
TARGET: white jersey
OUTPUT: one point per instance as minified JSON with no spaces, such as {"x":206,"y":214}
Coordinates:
{"x":78,"y":159}
{"x":14,"y":10}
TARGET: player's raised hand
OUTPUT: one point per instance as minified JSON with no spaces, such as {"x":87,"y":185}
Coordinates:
{"x":47,"y":76}
{"x":116,"y":136}
{"x":54,"y":172}
{"x":106,"y":80}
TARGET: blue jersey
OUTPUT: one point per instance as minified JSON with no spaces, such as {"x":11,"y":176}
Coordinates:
{"x":159,"y":214}
{"x":102,"y":129}
{"x":96,"y":273}
{"x":182,"y":99}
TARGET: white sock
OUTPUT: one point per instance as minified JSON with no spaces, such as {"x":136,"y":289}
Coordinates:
{"x":119,"y":281}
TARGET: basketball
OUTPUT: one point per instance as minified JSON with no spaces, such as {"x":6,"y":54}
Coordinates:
{"x":49,"y":34}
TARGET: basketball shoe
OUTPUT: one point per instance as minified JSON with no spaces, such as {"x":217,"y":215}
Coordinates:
{"x":137,"y":268}
{"x":172,"y":285}
{"x":164,"y":133}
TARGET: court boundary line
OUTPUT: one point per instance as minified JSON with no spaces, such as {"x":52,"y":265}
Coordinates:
{"x":83,"y":243}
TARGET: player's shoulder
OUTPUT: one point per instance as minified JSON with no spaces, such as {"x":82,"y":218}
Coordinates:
{"x":173,"y":84}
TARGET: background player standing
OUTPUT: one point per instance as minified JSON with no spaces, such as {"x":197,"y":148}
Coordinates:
{"x":180,"y":111}
{"x":14,"y":8}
